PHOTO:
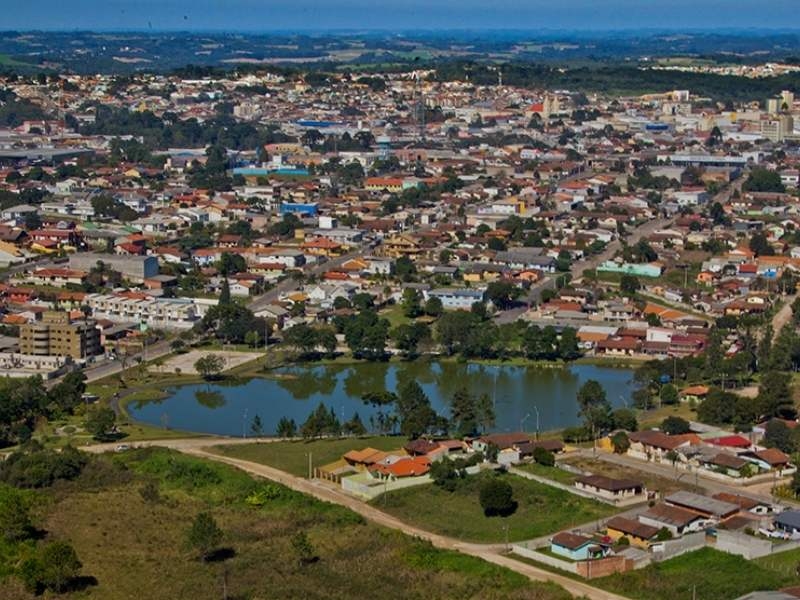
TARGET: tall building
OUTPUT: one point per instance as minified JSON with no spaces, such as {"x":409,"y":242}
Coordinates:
{"x":56,"y":335}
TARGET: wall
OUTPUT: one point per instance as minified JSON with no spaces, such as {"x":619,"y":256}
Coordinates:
{"x":590,"y":569}
{"x":551,"y":561}
{"x":673,"y":548}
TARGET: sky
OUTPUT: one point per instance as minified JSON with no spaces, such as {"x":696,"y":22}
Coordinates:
{"x":301,"y":15}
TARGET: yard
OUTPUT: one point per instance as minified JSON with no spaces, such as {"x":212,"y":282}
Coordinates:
{"x":135,"y":548}
{"x":706,"y":573}
{"x":652,"y":482}
{"x":554,"y":473}
{"x":292,"y":457}
{"x":541,"y":510}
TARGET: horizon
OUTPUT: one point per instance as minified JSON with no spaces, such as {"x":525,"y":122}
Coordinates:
{"x":347,"y":16}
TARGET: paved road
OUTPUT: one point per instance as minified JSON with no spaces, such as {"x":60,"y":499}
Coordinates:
{"x":493,"y":553}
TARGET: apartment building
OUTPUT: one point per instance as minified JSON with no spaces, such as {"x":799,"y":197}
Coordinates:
{"x":56,"y":335}
{"x":162,"y":313}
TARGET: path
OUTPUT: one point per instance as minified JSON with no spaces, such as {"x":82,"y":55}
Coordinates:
{"x":493,"y":553}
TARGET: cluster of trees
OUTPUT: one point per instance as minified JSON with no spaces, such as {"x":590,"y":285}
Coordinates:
{"x":448,"y":473}
{"x":232,"y":323}
{"x":24,"y":401}
{"x":51,"y":565}
{"x":309,"y":341}
{"x":322,"y":422}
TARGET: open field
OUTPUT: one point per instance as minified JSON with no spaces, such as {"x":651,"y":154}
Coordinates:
{"x":706,"y":573}
{"x":292,"y":457}
{"x":541,"y":510}
{"x":653,"y":483}
{"x":184,"y":363}
{"x":135,"y":549}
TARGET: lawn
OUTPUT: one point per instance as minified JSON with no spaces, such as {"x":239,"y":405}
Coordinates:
{"x":706,"y":573}
{"x":292,"y":457}
{"x":783,"y":563}
{"x":135,"y":549}
{"x":541,"y":510}
{"x":554,"y":473}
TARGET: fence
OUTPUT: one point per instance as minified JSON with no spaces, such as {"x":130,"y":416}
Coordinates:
{"x":673,"y":548}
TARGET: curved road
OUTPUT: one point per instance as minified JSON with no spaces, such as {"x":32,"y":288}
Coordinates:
{"x":492,"y":553}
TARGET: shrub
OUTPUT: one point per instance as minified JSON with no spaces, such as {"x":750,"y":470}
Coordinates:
{"x":54,"y":567}
{"x":544,"y":457}
{"x":40,"y":468}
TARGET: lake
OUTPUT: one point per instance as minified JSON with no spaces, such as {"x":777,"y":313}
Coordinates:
{"x":518,"y":392}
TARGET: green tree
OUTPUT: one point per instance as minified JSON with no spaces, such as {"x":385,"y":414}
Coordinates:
{"x":99,"y":421}
{"x":775,"y":396}
{"x":433,"y":307}
{"x":629,"y":284}
{"x":675,"y":426}
{"x":414,"y":410}
{"x":257,"y":427}
{"x":568,"y":344}
{"x":625,"y":418}
{"x":15,"y":518}
{"x":204,"y":535}
{"x":464,"y":413}
{"x":286,"y":428}
{"x":411,"y":303}
{"x":543,"y":457}
{"x":209,"y":366}
{"x":502,"y":294}
{"x":496,"y":497}
{"x":668,"y":394}
{"x":594,"y":406}
{"x":355,"y":426}
{"x":54,"y":567}
{"x":778,"y":435}
{"x":620,"y":442}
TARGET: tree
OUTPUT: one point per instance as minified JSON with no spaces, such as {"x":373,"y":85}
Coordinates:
{"x":303,"y":548}
{"x":303,"y":337}
{"x":629,"y":284}
{"x":594,"y":406}
{"x":675,"y":426}
{"x":99,"y":421}
{"x":256,"y":427}
{"x":763,"y":180}
{"x":778,"y":435}
{"x":414,"y":410}
{"x":251,"y":338}
{"x":625,"y":418}
{"x":209,"y":366}
{"x":620,"y":442}
{"x":286,"y":428}
{"x":411,"y":303}
{"x":404,"y":268}
{"x":485,"y":412}
{"x":224,"y":293}
{"x":407,"y":337}
{"x":433,"y":307}
{"x":669,"y":394}
{"x":760,"y":245}
{"x":502,"y":294}
{"x":15,"y":518}
{"x":354,"y":426}
{"x":544,"y":457}
{"x":568,"y":344}
{"x":497,"y":497}
{"x":321,"y":421}
{"x":445,"y":475}
{"x":204,"y":535}
{"x":775,"y":396}
{"x":464,"y":414}
{"x":54,"y":567}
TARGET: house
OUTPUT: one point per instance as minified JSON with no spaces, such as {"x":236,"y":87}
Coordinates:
{"x":609,"y":488}
{"x":702,"y":505}
{"x":674,"y":519}
{"x":408,"y":466}
{"x":503,"y":441}
{"x":694,"y":393}
{"x":576,"y":547}
{"x":726,"y":464}
{"x":788,"y":521}
{"x":456,"y":298}
{"x":638,"y":534}
{"x":655,"y":445}
{"x":769,"y":459}
{"x":751,"y":505}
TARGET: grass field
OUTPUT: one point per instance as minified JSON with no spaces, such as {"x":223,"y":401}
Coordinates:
{"x":292,"y":457}
{"x":541,"y":510}
{"x":135,"y":549}
{"x":706,"y":573}
{"x":554,"y":473}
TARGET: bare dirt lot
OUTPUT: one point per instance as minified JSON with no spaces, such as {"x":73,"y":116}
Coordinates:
{"x":185,"y":362}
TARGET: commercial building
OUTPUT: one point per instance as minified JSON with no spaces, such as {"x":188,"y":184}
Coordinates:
{"x":136,"y":268}
{"x":56,"y":335}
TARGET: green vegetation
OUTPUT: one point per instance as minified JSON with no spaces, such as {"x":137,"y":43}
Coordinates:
{"x":554,"y":473}
{"x":711,"y":574}
{"x":541,"y":509}
{"x":292,"y":457}
{"x":312,"y":548}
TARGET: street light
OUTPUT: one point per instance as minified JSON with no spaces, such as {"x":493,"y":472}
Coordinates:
{"x":536,"y":409}
{"x":522,"y":422}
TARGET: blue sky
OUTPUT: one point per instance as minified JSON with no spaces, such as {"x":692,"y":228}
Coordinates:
{"x":270,"y":15}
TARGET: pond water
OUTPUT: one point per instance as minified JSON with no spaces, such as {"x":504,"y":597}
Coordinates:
{"x":518,"y":392}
